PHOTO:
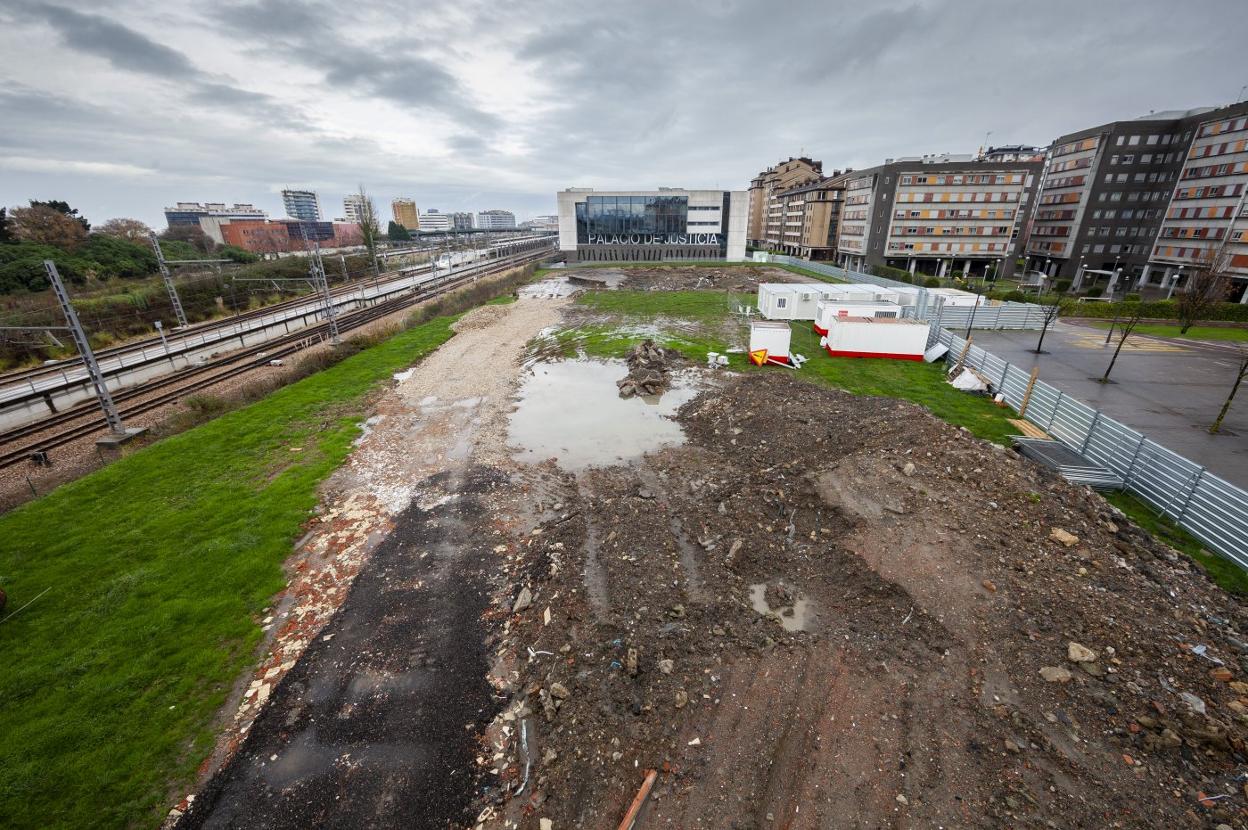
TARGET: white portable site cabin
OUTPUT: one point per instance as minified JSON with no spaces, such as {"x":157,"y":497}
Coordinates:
{"x":772,"y":335}
{"x":878,"y":293}
{"x":957,"y":298}
{"x":907,"y":295}
{"x":840,"y":308}
{"x":790,"y":300}
{"x":891,"y":337}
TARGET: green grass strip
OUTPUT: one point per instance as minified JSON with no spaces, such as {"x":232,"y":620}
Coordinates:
{"x":158,"y":568}
{"x":1194,"y":333}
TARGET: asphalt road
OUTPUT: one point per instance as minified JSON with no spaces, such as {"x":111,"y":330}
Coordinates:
{"x":378,"y":723}
{"x":1168,"y":390}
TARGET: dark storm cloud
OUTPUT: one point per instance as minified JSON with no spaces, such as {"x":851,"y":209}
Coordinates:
{"x":650,"y":93}
{"x":123,"y":47}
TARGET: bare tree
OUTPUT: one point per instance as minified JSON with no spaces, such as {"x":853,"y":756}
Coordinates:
{"x":46,"y":226}
{"x":1240,"y":374}
{"x":1124,"y":328}
{"x":1048,"y":313}
{"x":370,"y":229}
{"x":131,"y":230}
{"x":1208,"y":285}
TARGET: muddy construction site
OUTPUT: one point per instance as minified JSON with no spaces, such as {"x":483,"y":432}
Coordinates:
{"x":727,"y":600}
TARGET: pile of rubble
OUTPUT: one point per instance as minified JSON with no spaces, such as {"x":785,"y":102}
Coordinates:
{"x":647,"y":370}
{"x":866,"y":614}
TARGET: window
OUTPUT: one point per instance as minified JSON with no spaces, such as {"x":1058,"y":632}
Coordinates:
{"x":1113,"y":159}
{"x":1120,"y":140}
{"x":1133,"y":141}
{"x":1129,"y":158}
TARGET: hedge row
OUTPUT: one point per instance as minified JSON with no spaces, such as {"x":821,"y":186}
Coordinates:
{"x":1155,"y":310}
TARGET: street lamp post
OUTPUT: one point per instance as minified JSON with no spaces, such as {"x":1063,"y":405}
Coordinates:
{"x":1174,"y":280}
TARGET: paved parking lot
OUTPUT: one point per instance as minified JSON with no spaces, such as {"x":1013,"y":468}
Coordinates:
{"x":1169,"y":391}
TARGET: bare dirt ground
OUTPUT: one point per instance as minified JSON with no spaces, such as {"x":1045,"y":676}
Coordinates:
{"x":821,"y":610}
{"x":938,"y":583}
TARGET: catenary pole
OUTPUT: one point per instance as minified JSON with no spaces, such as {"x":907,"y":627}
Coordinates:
{"x":168,"y":278}
{"x":84,"y":348}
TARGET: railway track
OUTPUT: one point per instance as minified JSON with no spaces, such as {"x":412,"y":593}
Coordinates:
{"x":85,"y":419}
{"x":208,"y":327}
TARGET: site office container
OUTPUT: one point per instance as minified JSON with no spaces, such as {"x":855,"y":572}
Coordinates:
{"x":772,"y":335}
{"x":907,"y":296}
{"x":957,"y":298}
{"x":841,"y":308}
{"x":896,"y":338}
{"x":790,"y":300}
{"x":877,"y":293}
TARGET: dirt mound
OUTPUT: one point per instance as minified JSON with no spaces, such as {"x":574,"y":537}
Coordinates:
{"x":481,"y":317}
{"x":647,"y":370}
{"x":835,"y":611}
{"x":684,"y":278}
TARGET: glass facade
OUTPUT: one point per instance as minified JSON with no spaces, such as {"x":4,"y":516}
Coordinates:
{"x":616,"y":215}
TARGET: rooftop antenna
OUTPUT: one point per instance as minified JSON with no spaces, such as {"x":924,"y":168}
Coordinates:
{"x":1241,"y":93}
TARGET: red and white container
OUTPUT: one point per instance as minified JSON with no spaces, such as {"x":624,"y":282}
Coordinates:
{"x":827,"y":309}
{"x":898,"y":339}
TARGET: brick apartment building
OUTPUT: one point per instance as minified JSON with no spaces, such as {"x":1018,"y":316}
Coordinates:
{"x":766,"y":185}
{"x":1145,"y":197}
{"x":940,"y":213}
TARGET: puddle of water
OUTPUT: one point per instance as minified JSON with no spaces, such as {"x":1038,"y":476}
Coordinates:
{"x":572,"y":411}
{"x":795,"y":621}
{"x":573,"y":283}
{"x":366,"y":428}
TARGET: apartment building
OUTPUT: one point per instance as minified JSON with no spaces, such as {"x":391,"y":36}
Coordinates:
{"x":766,"y":185}
{"x":1130,"y":201}
{"x":1206,"y":219}
{"x":803,"y":221}
{"x":405,"y":213}
{"x":353,"y":207}
{"x":433,"y":220}
{"x":937,"y":214}
{"x":496,"y":220}
{"x":302,"y":204}
{"x":190,"y":213}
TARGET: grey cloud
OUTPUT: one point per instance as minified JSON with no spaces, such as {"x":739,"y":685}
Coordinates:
{"x":123,"y":47}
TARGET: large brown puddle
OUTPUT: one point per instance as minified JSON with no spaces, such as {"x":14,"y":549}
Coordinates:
{"x":571,"y":411}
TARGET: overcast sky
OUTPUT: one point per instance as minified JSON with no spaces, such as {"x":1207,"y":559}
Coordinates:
{"x":123,"y":106}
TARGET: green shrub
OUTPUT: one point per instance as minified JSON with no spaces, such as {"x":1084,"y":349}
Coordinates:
{"x":957,"y":275}
{"x":889,"y":272}
{"x":1154,"y":310}
{"x":1094,"y":291}
{"x":1016,"y":296}
{"x":1132,"y":298}
{"x":931,"y":282}
{"x":1062,"y":286}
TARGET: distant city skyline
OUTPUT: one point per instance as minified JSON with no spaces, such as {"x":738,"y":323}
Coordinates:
{"x":133,"y":105}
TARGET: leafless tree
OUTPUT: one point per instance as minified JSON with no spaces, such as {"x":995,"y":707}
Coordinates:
{"x":1208,"y":285}
{"x":370,"y":229}
{"x":131,"y":230}
{"x":1125,"y":327}
{"x":1240,"y":374}
{"x":1048,"y":313}
{"x":46,"y":226}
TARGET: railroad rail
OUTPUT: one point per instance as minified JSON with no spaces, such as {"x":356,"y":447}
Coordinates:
{"x":202,"y":334}
{"x":85,"y":419}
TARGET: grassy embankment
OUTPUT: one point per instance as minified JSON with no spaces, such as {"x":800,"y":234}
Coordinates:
{"x":1194,"y":333}
{"x":695,"y":322}
{"x":157,"y":569}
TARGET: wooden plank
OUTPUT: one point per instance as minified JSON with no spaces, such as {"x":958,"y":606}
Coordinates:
{"x":1028,"y":428}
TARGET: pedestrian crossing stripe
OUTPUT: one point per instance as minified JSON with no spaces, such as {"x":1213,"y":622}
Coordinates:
{"x":1134,"y":343}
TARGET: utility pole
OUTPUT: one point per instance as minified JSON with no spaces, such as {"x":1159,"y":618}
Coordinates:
{"x":316,"y":271}
{"x":168,"y":278}
{"x":115,"y":425}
